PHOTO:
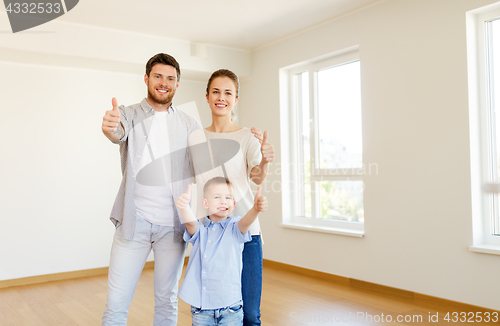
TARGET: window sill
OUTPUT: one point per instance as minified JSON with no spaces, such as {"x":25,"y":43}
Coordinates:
{"x":324,"y":229}
{"x":486,"y":249}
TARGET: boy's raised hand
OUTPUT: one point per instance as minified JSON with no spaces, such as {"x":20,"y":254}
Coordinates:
{"x":111,"y":119}
{"x":259,"y":205}
{"x":183,"y":200}
{"x":186,"y":212}
{"x":260,"y":202}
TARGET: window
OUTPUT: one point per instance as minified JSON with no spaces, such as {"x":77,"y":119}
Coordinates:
{"x":321,"y":103}
{"x":484,"y":97}
{"x":492,"y":34}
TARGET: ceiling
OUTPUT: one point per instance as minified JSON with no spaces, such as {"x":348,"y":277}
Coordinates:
{"x":234,"y":23}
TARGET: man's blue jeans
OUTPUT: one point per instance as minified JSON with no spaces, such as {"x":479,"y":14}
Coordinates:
{"x":251,"y":281}
{"x":127,"y":261}
{"x":229,"y":316}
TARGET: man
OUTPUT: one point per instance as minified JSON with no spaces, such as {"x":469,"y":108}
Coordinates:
{"x":153,"y":138}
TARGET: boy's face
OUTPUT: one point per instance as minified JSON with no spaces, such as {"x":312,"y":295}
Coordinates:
{"x":219,"y":201}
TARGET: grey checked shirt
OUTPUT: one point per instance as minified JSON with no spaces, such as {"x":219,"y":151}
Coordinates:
{"x":136,"y":121}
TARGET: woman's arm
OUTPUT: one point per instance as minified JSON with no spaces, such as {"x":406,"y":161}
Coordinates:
{"x":259,"y":172}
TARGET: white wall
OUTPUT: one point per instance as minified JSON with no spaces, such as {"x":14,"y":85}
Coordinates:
{"x":418,"y":223}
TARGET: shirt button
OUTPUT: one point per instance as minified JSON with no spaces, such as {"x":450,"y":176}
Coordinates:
{"x":205,"y":256}
{"x":203,"y":272}
{"x":204,"y":288}
{"x":209,"y":241}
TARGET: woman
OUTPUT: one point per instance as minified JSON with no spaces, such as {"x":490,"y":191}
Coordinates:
{"x":239,"y":154}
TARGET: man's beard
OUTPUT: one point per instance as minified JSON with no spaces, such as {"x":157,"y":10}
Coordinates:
{"x":161,"y":100}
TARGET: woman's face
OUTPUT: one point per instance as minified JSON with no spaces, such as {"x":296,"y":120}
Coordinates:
{"x":222,"y":96}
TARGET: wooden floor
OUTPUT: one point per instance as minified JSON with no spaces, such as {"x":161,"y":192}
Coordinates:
{"x":288,"y":299}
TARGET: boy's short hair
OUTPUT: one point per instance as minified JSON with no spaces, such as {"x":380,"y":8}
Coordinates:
{"x":217,"y":181}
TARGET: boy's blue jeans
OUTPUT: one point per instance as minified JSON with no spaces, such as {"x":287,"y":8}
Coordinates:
{"x":251,"y":281}
{"x":229,"y":316}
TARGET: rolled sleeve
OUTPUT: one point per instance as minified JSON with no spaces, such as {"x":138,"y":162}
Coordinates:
{"x":253,"y":155}
{"x":240,"y":236}
{"x":192,"y":238}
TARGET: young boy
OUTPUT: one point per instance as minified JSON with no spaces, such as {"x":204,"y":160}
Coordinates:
{"x":212,"y":284}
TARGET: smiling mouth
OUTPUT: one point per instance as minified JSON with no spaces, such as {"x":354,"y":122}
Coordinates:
{"x":220,"y":105}
{"x":162,"y":91}
{"x":223,"y":209}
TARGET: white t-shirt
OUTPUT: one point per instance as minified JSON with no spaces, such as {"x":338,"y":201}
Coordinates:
{"x":232,"y":155}
{"x":153,"y":200}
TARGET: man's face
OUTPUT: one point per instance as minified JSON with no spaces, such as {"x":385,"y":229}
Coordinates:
{"x":162,"y":83}
{"x":219,"y":201}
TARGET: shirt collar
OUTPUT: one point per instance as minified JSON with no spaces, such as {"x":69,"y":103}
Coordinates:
{"x":147,"y":108}
{"x":223,"y":224}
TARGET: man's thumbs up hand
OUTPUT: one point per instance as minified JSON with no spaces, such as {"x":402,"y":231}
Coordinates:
{"x":111,"y":119}
{"x":114,"y":103}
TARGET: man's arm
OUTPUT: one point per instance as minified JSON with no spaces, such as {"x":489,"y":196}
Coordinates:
{"x":111,"y":126}
{"x":259,"y":172}
{"x":259,"y":205}
{"x":187,"y":212}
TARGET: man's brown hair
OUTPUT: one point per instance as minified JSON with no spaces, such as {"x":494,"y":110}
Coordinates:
{"x":165,"y":59}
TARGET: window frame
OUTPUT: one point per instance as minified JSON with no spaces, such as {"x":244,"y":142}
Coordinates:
{"x":290,"y":174}
{"x":481,"y":134}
